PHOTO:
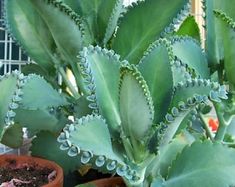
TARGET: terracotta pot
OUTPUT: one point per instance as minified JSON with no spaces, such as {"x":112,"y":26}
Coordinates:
{"x":109,"y":182}
{"x":57,"y":182}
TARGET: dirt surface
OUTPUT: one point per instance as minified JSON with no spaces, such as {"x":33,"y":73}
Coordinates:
{"x":25,"y":175}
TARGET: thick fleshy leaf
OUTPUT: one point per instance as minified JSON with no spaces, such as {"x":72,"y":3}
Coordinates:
{"x":168,"y":153}
{"x":102,"y":74}
{"x":185,"y":98}
{"x":37,"y":120}
{"x":88,"y":139}
{"x":52,"y":151}
{"x":228,"y":28}
{"x":38,"y":94}
{"x":189,"y":28}
{"x":181,"y":72}
{"x":113,"y":20}
{"x":15,"y":131}
{"x":81,"y":107}
{"x":146,"y":21}
{"x":214,"y":34}
{"x":65,"y":27}
{"x":203,"y":164}
{"x":155,"y":67}
{"x":96,"y":15}
{"x":66,"y":32}
{"x":8,"y":100}
{"x":31,"y":32}
{"x":189,"y":52}
{"x":136,"y":107}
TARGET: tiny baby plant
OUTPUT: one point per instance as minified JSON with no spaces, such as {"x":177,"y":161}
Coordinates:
{"x":142,"y":89}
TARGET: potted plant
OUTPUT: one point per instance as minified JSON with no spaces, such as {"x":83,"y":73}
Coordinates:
{"x":140,"y":95}
{"x":29,"y":171}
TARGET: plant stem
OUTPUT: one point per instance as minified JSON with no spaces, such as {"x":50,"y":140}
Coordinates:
{"x":206,"y":127}
{"x":220,"y":72}
{"x":68,"y":83}
{"x":127,"y":146}
{"x":78,"y":78}
{"x":222,"y":125}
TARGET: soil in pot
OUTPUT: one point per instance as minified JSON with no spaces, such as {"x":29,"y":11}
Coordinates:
{"x":25,"y":175}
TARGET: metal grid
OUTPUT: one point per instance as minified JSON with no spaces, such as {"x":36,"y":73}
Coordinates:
{"x":11,"y":56}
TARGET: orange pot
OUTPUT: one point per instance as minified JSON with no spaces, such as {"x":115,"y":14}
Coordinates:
{"x":109,"y":182}
{"x":57,"y":182}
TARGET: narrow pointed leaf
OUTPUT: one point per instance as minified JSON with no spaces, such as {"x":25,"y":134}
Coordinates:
{"x":189,"y":28}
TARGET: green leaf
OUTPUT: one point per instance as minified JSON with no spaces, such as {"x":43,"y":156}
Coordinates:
{"x":88,"y":139}
{"x":90,"y":133}
{"x":102,"y":74}
{"x":146,"y":21}
{"x":185,"y":97}
{"x":168,"y":153}
{"x":8,"y":86}
{"x":113,"y":20}
{"x":50,"y":77}
{"x":203,"y":164}
{"x":214,"y":33}
{"x":15,"y":131}
{"x":63,"y":25}
{"x":181,"y":72}
{"x":155,"y":67}
{"x":227,"y":26}
{"x":81,"y":107}
{"x":37,"y":120}
{"x":189,"y":52}
{"x":52,"y":151}
{"x":136,"y":107}
{"x":96,"y":15}
{"x":30,"y":30}
{"x":38,"y":94}
{"x":189,"y":28}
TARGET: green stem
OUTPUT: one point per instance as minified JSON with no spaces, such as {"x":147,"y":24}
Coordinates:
{"x":206,"y":127}
{"x":78,"y":78}
{"x":222,"y":125}
{"x":68,"y":83}
{"x":221,"y":72}
{"x":128,"y":148}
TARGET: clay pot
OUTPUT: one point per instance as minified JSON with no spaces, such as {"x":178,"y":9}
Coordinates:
{"x":109,"y":182}
{"x":57,"y":182}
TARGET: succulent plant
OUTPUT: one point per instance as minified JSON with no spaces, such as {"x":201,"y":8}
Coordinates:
{"x":142,"y":89}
